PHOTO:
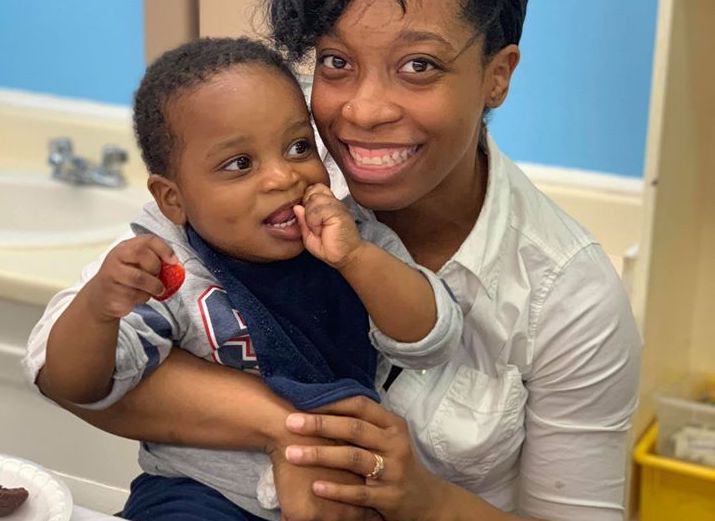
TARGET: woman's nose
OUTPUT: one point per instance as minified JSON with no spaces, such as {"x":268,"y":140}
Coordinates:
{"x":370,"y":108}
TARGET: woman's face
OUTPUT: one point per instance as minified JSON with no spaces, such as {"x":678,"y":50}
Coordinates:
{"x":398,"y":99}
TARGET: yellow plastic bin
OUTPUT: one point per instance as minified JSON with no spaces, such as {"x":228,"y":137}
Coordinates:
{"x":672,"y":490}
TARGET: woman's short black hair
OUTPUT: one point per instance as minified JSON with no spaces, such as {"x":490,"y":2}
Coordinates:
{"x":298,"y":24}
{"x":178,"y":70}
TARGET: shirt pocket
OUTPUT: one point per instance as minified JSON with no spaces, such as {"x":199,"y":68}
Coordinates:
{"x":479,"y":422}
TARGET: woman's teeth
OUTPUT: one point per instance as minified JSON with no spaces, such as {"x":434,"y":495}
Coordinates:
{"x":381,"y":157}
{"x":286,"y":224}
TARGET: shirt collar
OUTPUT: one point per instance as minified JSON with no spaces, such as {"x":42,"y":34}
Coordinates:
{"x":481,"y":251}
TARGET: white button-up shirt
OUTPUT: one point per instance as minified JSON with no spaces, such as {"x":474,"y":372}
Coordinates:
{"x":533,"y":412}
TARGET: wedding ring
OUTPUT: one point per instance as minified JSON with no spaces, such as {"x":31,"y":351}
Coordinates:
{"x":379,"y":467}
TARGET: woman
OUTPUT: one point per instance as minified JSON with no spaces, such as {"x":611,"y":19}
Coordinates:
{"x":531,"y":417}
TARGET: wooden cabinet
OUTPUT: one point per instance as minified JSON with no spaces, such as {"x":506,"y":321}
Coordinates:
{"x":673,"y":293}
{"x":169,"y":23}
{"x":232,"y":18}
{"x":674,"y":276}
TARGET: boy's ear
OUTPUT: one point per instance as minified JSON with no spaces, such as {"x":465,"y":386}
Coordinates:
{"x":168,"y":197}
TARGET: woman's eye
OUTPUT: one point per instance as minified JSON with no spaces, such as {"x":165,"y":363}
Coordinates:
{"x":418,"y":65}
{"x":300,"y":148}
{"x":332,"y":61}
{"x":240,"y":164}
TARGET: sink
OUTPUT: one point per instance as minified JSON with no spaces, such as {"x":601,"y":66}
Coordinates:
{"x":37,"y":211}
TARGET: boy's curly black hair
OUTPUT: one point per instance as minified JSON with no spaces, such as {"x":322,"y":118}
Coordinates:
{"x":178,"y":70}
{"x":298,"y":24}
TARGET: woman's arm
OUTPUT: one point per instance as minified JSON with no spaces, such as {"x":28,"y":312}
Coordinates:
{"x":583,"y":389}
{"x":189,"y":401}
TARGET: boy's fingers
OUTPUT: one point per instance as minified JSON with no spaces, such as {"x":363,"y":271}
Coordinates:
{"x":140,"y":280}
{"x":300,"y":216}
{"x":317,"y":189}
{"x":148,"y":260}
{"x":139,"y":250}
{"x":163,"y":250}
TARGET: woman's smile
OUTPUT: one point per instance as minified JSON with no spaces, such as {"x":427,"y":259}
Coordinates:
{"x":377,"y":163}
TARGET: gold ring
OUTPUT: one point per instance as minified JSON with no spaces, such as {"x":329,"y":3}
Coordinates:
{"x":379,"y":467}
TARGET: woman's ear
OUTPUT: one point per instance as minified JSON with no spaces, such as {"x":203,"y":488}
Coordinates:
{"x":499,"y":72}
{"x":168,"y":197}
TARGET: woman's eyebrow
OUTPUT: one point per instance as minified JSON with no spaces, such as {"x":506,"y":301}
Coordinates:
{"x":407,"y":36}
{"x":424,"y":36}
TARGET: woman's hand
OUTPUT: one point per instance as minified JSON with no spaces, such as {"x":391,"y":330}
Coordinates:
{"x":405,"y":490}
{"x":298,"y":503}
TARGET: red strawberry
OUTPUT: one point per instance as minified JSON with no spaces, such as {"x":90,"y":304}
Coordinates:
{"x":172,"y":277}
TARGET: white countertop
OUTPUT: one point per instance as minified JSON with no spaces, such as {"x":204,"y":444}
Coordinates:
{"x":33,"y":276}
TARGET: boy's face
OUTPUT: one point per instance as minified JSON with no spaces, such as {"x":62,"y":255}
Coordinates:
{"x":245,"y":155}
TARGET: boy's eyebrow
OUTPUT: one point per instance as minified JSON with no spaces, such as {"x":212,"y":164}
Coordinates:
{"x":298,"y":124}
{"x":227,"y":144}
{"x":235,"y":141}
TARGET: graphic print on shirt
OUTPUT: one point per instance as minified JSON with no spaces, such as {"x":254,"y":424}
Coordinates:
{"x":226,"y":330}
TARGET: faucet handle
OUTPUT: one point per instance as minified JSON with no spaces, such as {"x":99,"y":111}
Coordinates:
{"x":113,"y":156}
{"x":60,"y":150}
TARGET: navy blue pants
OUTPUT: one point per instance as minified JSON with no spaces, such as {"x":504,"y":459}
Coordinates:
{"x":156,"y":498}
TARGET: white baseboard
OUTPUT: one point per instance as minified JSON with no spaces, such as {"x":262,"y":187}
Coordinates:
{"x":94,"y":495}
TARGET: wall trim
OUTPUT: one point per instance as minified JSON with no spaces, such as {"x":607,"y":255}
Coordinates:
{"x":540,"y":174}
{"x":582,"y":179}
{"x":80,"y":107}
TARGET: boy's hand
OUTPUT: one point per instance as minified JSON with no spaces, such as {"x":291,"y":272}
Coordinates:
{"x":128,"y":276}
{"x":329,"y":230}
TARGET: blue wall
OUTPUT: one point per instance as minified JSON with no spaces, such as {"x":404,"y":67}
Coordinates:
{"x":581,"y":93}
{"x":579,"y":98}
{"x":91,"y":49}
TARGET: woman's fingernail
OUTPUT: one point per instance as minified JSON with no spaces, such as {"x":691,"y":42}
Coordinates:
{"x":319,"y":487}
{"x":295,"y":421}
{"x":293,"y":453}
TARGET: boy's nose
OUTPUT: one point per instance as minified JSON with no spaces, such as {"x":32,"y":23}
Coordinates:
{"x":280,"y":175}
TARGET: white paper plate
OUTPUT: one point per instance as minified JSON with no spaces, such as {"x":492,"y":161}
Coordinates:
{"x":49,"y":499}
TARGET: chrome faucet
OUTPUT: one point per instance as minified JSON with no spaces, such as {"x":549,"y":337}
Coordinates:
{"x":69,"y":168}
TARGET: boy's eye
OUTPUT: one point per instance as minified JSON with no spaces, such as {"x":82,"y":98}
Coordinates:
{"x":418,"y":65}
{"x":240,"y":164}
{"x":332,"y":61}
{"x":300,"y":148}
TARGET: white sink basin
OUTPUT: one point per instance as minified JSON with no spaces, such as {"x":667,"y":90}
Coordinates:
{"x":37,"y":211}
